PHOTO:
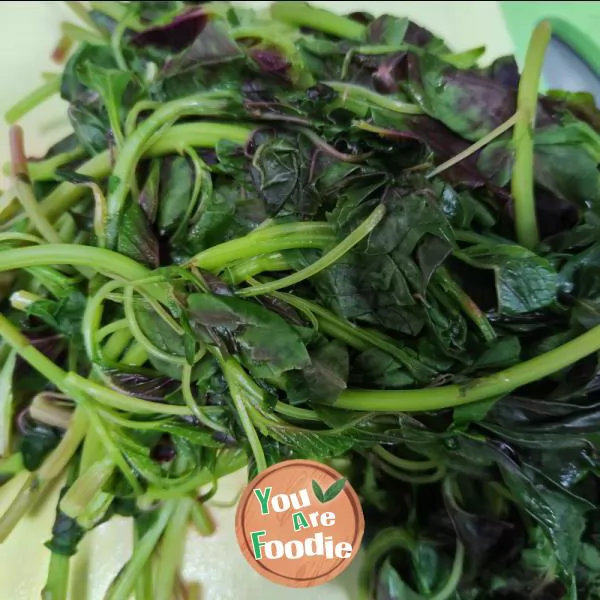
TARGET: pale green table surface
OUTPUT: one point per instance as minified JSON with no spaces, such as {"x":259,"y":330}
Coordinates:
{"x":28,"y":33}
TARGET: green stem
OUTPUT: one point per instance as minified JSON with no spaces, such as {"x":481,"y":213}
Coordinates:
{"x":32,"y":100}
{"x":495,"y":385}
{"x":82,"y":12}
{"x":385,"y":541}
{"x":350,"y":91}
{"x":135,"y":356}
{"x":37,"y":483}
{"x":412,"y":478}
{"x":134,"y":113}
{"x":443,"y":278}
{"x":295,"y":412}
{"x":92,"y":318}
{"x":141,"y":337}
{"x":453,"y":580}
{"x":175,"y":140}
{"x":228,"y":462}
{"x":57,"y":583}
{"x":144,"y":587}
{"x":414,"y":466}
{"x":171,"y":549}
{"x":263,"y":263}
{"x":81,"y":34}
{"x":233,"y":372}
{"x":218,"y":257}
{"x":329,"y":258}
{"x":124,"y":402}
{"x":44,"y":170}
{"x":7,"y":371}
{"x":301,"y":14}
{"x":124,"y":584}
{"x":104,"y":261}
{"x":116,"y":11}
{"x":18,"y":342}
{"x":202,"y":519}
{"x":87,"y":485}
{"x":197,"y":411}
{"x":484,"y":141}
{"x":522,"y":185}
{"x":116,"y":345}
{"x":11,"y":465}
{"x":207,"y":104}
{"x":115,"y":41}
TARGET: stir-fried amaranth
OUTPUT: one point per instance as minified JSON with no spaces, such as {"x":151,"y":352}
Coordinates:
{"x":295,"y":234}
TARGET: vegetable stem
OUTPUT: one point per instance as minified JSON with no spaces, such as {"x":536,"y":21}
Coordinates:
{"x":171,"y":549}
{"x":403,"y":463}
{"x":23,"y":187}
{"x":498,"y":384}
{"x":124,"y":584}
{"x":81,"y":34}
{"x":202,"y":519}
{"x":478,"y":145}
{"x":99,"y":259}
{"x":351,"y":91}
{"x":197,"y":411}
{"x":32,"y":100}
{"x":82,"y":12}
{"x":124,"y":402}
{"x":116,"y":11}
{"x":36,"y":484}
{"x":522,"y":185}
{"x":301,"y":14}
{"x":83,"y":490}
{"x":453,"y":580}
{"x":328,"y":259}
{"x":207,"y":104}
{"x":233,"y":372}
{"x":176,"y":139}
{"x":242,"y":270}
{"x":57,"y":583}
{"x":473,"y":312}
{"x":218,"y":257}
{"x":44,"y":170}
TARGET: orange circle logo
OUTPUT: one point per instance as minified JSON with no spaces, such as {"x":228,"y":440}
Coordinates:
{"x":299,"y":523}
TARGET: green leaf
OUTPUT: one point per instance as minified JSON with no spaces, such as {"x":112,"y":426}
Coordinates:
{"x":504,"y":353}
{"x":323,"y":379}
{"x":282,"y":166}
{"x":136,"y":238}
{"x":374,"y":368}
{"x":102,"y":57}
{"x":334,"y":490}
{"x":472,"y":413}
{"x":176,"y":185}
{"x":110,"y":84}
{"x":91,"y":128}
{"x":469,"y":103}
{"x":64,"y":315}
{"x":37,"y":442}
{"x":269,"y":346}
{"x":525,"y":282}
{"x":318,"y":491}
{"x":560,"y":513}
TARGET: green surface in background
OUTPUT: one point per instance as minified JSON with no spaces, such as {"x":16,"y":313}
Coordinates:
{"x":576,"y":23}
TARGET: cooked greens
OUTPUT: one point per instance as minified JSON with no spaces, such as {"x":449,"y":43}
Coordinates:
{"x":296,"y":234}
